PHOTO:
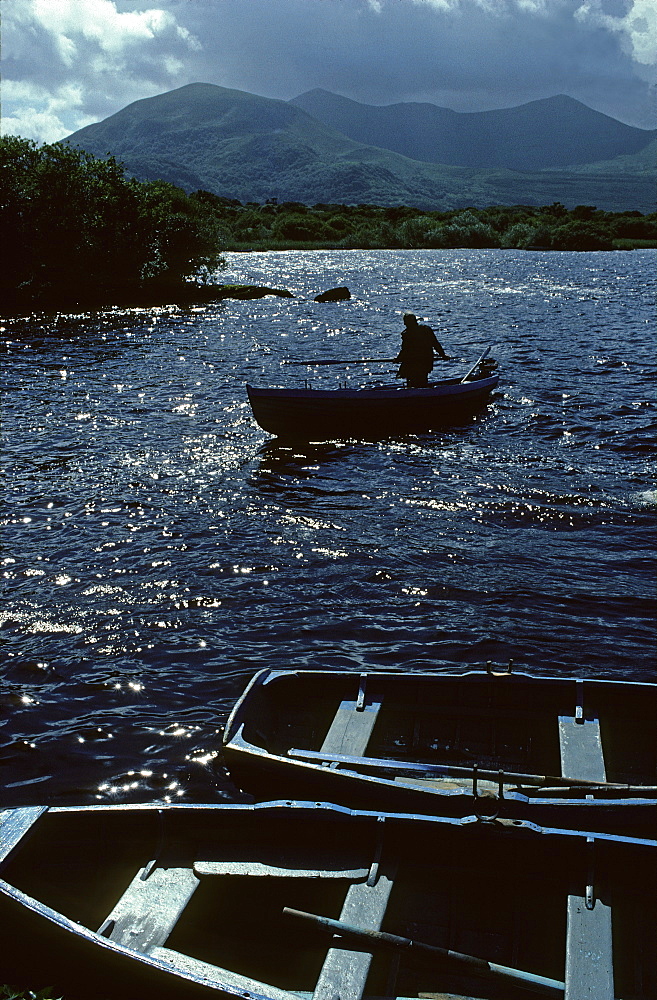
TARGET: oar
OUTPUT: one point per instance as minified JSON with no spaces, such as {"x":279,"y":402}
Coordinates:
{"x":400,"y":767}
{"x":549,"y":987}
{"x":342,"y":361}
{"x":477,"y":363}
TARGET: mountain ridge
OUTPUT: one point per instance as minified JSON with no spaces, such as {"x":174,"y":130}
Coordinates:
{"x":556,"y":131}
{"x":254,"y":149}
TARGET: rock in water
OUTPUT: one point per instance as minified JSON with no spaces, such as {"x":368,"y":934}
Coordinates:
{"x":334,"y":295}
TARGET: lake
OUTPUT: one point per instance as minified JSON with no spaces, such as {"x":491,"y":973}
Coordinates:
{"x":160,"y":548}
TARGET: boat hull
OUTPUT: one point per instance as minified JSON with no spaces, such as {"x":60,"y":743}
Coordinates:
{"x":503,"y":893}
{"x":278,"y":742}
{"x":323,"y":414}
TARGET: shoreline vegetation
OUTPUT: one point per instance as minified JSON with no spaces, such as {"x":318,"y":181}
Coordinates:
{"x":83,"y":235}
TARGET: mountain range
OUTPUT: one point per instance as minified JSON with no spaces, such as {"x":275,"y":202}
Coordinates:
{"x":323,"y":148}
{"x":556,"y":132}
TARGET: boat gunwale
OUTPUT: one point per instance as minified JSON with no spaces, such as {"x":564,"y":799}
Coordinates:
{"x":447,"y":388}
{"x":269,"y":675}
{"x":148,"y":961}
{"x":603,"y":798}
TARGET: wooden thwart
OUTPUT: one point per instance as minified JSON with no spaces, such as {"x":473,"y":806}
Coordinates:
{"x":344,"y":973}
{"x":259,"y":869}
{"x":589,"y":946}
{"x":589,"y":953}
{"x":352,"y":726}
{"x":580,"y":744}
{"x":150,"y":908}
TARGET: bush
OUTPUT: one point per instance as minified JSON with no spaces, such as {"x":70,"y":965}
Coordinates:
{"x":467,"y":230}
{"x":299,"y":227}
{"x":520,"y":236}
{"x":79,"y":228}
{"x":421,"y":231}
{"x":581,"y":236}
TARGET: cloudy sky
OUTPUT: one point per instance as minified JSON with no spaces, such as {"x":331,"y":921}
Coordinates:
{"x":66,"y":63}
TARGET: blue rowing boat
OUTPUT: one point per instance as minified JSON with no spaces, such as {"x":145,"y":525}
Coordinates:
{"x":381,"y":411}
{"x":203,"y":902}
{"x":373,"y":412}
{"x":560,"y":751}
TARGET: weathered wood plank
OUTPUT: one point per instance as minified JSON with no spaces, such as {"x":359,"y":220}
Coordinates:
{"x":581,"y":750}
{"x":149,"y":909}
{"x":351,"y":728}
{"x":344,"y":973}
{"x":589,"y":955}
{"x":15,"y":824}
{"x":258,"y":868}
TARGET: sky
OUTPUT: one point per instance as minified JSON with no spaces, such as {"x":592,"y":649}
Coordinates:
{"x":67,"y":63}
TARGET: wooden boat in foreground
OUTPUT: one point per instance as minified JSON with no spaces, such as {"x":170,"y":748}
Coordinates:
{"x":373,"y":413}
{"x":286,"y":900}
{"x":564,"y":752}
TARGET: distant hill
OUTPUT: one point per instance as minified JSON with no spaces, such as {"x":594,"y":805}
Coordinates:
{"x":252,"y":149}
{"x":553,"y":132}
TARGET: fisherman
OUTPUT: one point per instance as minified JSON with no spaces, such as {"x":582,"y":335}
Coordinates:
{"x":419,"y":347}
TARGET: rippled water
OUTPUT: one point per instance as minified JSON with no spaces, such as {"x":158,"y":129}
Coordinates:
{"x":160,"y":548}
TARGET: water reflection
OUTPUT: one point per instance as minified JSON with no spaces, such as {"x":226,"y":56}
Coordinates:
{"x":300,"y":460}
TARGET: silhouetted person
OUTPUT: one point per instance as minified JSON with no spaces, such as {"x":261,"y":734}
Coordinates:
{"x":419,"y":347}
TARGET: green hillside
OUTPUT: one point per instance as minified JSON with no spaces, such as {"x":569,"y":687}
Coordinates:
{"x":253,"y":149}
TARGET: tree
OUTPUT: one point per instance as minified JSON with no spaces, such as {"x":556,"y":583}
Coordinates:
{"x":520,"y":236}
{"x":420,"y":231}
{"x":300,"y":227}
{"x":181,"y":238}
{"x":573,"y":235}
{"x":79,"y":229}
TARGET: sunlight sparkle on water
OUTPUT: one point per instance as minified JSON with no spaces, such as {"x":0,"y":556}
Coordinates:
{"x":204,"y":758}
{"x":506,"y":531}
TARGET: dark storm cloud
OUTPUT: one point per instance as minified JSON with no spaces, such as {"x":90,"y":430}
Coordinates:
{"x":68,"y":62}
{"x":464,"y":54}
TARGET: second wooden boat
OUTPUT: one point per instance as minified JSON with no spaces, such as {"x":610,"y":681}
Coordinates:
{"x":560,"y":751}
{"x":289,"y":900}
